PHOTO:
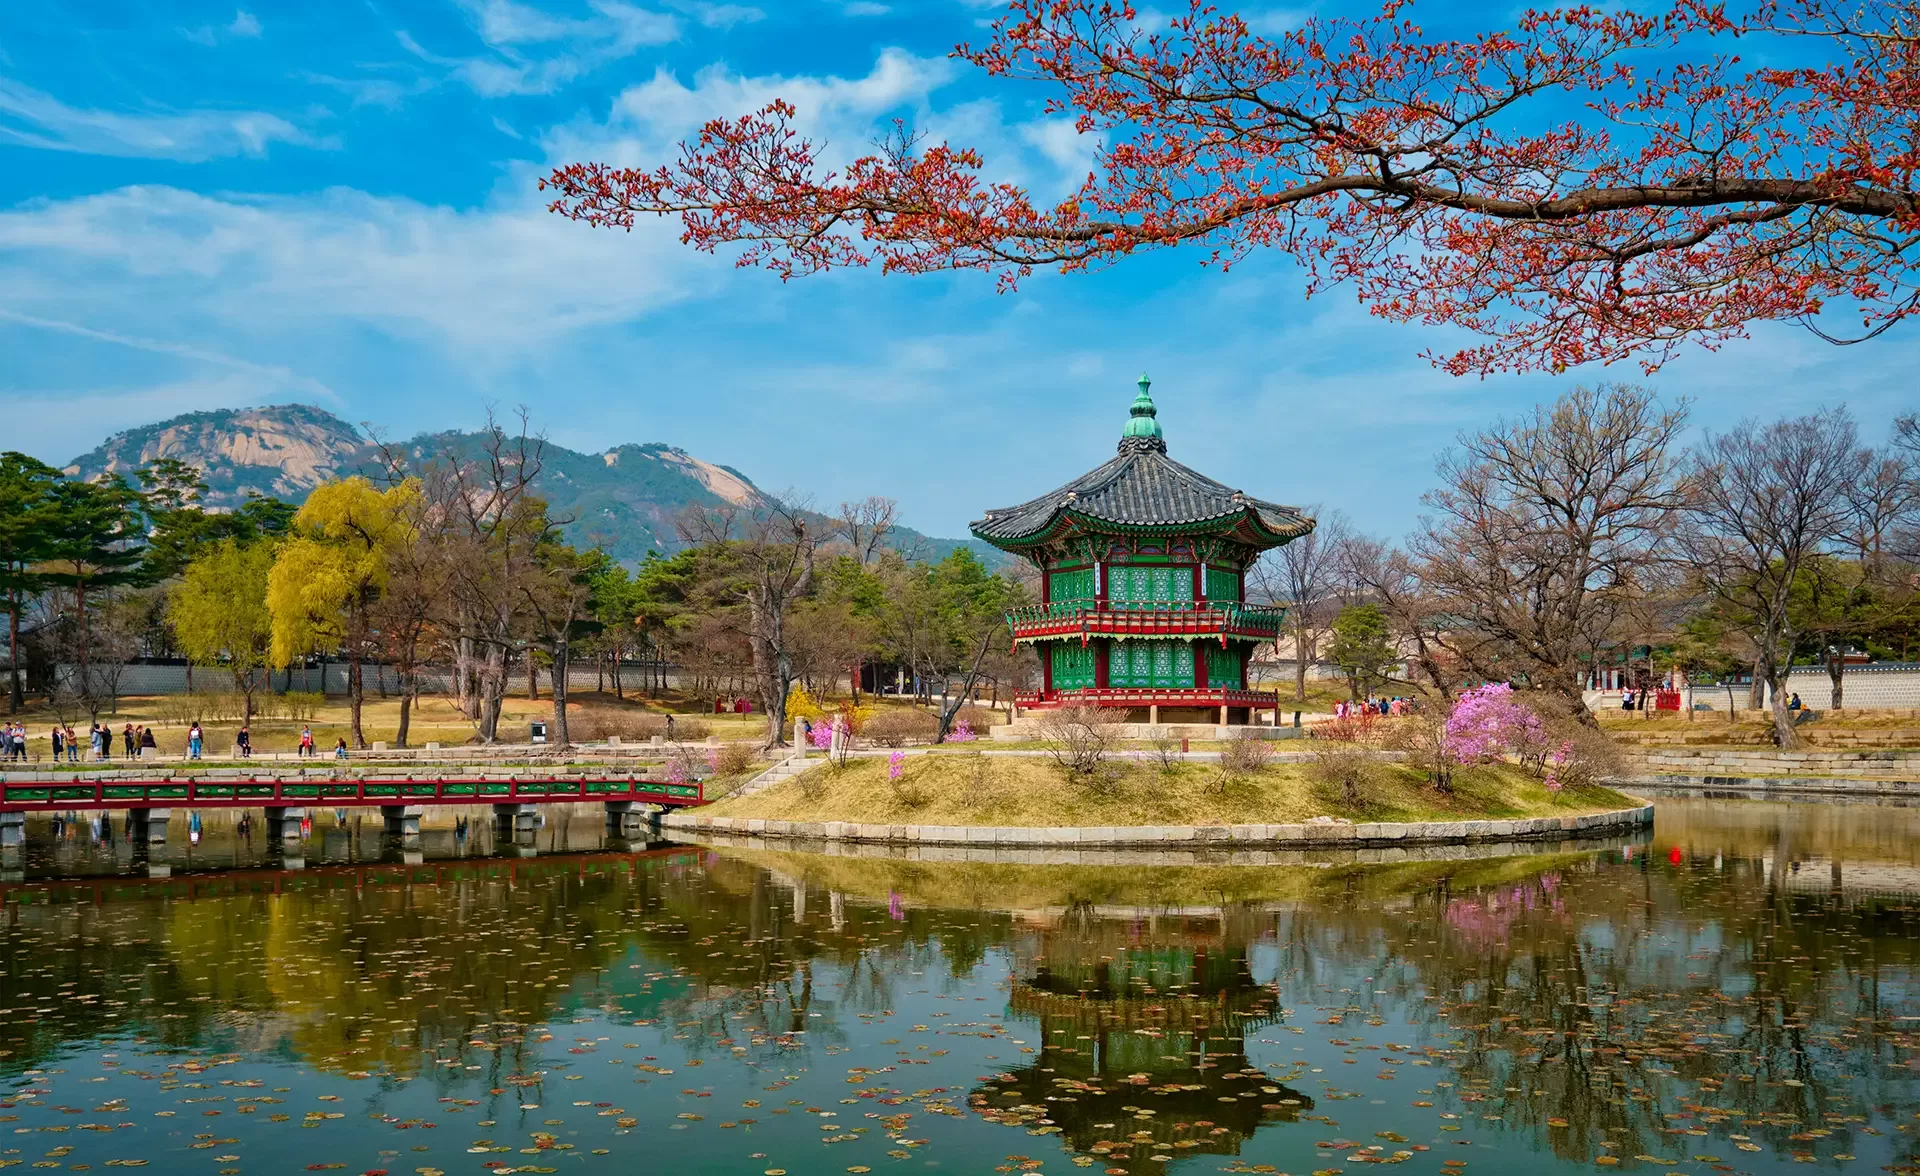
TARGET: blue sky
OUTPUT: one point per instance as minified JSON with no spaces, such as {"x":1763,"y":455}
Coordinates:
{"x":207,"y":206}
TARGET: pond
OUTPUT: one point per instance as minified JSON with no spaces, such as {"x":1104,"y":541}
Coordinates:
{"x":1735,"y":993}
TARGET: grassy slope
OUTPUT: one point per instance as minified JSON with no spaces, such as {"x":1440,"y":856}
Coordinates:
{"x":993,"y":790}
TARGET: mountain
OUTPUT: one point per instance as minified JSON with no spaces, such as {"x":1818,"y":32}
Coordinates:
{"x":623,"y":500}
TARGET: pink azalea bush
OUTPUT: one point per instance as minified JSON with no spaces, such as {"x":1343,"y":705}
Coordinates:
{"x":962,"y":732}
{"x":1487,"y":723}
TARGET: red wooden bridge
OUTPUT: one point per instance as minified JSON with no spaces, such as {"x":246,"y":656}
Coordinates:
{"x":287,"y":798}
{"x":301,"y":791}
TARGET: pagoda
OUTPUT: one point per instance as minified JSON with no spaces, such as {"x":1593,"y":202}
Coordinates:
{"x":1143,"y":565}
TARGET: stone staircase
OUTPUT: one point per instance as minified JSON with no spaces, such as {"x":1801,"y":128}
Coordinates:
{"x":786,"y":769}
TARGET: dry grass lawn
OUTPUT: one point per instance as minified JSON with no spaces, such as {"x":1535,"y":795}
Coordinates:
{"x":435,"y":720}
{"x":976,"y":789}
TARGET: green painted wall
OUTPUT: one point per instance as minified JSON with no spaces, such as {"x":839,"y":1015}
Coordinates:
{"x":1072,"y":666}
{"x":1150,"y":663}
{"x":1140,"y":587}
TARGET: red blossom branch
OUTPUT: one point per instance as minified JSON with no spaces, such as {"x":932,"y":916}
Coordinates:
{"x":1684,"y":204}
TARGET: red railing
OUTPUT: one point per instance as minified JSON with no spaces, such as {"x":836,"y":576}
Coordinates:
{"x":1071,"y":618}
{"x":231,"y":792}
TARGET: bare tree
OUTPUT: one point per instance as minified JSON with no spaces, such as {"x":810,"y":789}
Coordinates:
{"x":1884,"y":499}
{"x":1545,"y":522}
{"x":1390,"y":577}
{"x":489,"y":523}
{"x":1770,"y":497}
{"x":1303,"y":575}
{"x":771,"y":550}
{"x":865,"y":525}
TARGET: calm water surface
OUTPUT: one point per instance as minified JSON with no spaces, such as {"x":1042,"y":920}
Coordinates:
{"x":1734,"y":995}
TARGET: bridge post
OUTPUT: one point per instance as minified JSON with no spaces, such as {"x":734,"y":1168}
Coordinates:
{"x":403,"y":820}
{"x":519,"y":817}
{"x":13,"y":830}
{"x":283,"y":824}
{"x":150,"y":825}
{"x":627,"y":818}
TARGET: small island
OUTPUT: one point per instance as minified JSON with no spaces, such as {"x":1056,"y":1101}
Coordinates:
{"x":1008,"y":789}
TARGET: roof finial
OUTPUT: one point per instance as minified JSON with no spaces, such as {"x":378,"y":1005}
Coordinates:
{"x":1143,"y":429}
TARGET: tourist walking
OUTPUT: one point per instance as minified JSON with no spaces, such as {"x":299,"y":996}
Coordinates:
{"x":194,"y":738}
{"x":73,"y":745}
{"x":131,"y":746}
{"x":58,"y":742}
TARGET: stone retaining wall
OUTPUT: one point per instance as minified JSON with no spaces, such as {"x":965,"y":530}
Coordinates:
{"x":1784,"y":787}
{"x":1313,"y":834}
{"x":1229,"y":853}
{"x":1736,"y":761}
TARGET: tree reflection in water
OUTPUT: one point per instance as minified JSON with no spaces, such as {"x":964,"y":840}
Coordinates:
{"x":1696,"y":997}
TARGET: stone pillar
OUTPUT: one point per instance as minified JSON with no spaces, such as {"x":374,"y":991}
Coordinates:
{"x":519,"y":817}
{"x":13,"y":830}
{"x":1153,"y":714}
{"x":283,"y":824}
{"x":150,"y":825}
{"x":799,"y":739}
{"x":1223,"y":714}
{"x":627,"y":818}
{"x":403,"y":820}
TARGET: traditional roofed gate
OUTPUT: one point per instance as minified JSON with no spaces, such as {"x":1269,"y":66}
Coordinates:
{"x":1143,"y":570}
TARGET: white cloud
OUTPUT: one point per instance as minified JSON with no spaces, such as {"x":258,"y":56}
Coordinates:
{"x":157,"y":262}
{"x":574,"y":45}
{"x":866,"y":8}
{"x":648,"y":119}
{"x":245,"y":25}
{"x":34,"y":119}
{"x":720,"y":16}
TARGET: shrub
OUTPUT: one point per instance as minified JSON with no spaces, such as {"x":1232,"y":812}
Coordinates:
{"x":1244,"y":755}
{"x":977,"y":717}
{"x":595,"y":725}
{"x":1080,"y":738}
{"x":1582,"y":756}
{"x":1344,"y":764}
{"x":1165,"y":754}
{"x":897,"y":726}
{"x":733,"y":759}
{"x":1429,"y":748}
{"x":1488,"y":722}
{"x":800,"y":705}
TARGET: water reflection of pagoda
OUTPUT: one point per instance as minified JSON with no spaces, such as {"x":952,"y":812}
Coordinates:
{"x":1136,"y":1017}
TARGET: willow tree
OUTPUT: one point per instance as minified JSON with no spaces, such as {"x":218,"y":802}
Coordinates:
{"x":219,"y":612}
{"x":331,"y":571}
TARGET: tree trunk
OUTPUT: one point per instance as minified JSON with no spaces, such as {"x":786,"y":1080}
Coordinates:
{"x":1836,"y":670}
{"x":561,"y":651}
{"x":16,"y":690}
{"x":493,"y":689}
{"x":618,"y":685}
{"x":356,"y":690}
{"x":243,"y":682}
{"x":533,"y":676}
{"x":1299,"y":663}
{"x":1784,"y":735}
{"x":1757,"y":695}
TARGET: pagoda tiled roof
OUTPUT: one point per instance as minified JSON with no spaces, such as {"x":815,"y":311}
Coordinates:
{"x":1144,"y":488}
